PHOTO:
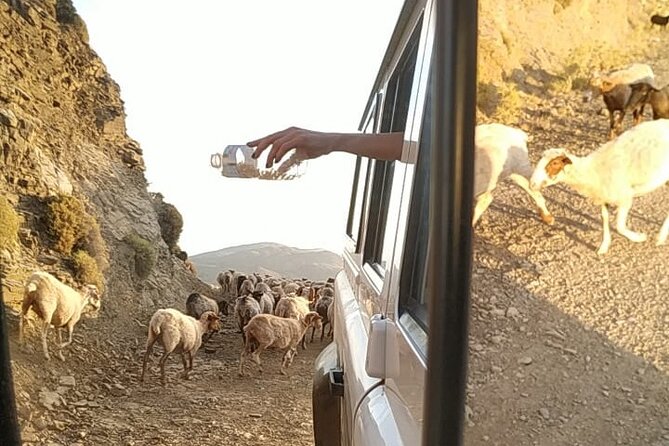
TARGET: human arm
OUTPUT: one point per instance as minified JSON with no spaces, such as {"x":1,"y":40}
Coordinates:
{"x":309,"y":144}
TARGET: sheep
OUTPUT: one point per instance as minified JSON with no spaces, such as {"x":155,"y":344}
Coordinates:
{"x":659,"y":20}
{"x":643,"y":93}
{"x":263,"y":288}
{"x":245,"y":308}
{"x":224,"y":279}
{"x":293,"y":307}
{"x":177,"y":332}
{"x":633,"y":73}
{"x":501,"y":152}
{"x":290,"y":288}
{"x":265,"y":300}
{"x":246,"y":288}
{"x":321,"y":307}
{"x":633,"y":164}
{"x":196,"y":304}
{"x":56,"y":304}
{"x":305,"y":292}
{"x":266,"y":330}
{"x":331,"y":318}
{"x":278,"y":293}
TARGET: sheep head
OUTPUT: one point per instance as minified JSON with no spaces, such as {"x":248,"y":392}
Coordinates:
{"x":313,"y":319}
{"x":93,"y":294}
{"x":550,"y":168}
{"x":212,"y":321}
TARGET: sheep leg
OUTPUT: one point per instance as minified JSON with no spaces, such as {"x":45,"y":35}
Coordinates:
{"x":621,"y":224}
{"x":322,"y":331}
{"x":255,"y":357}
{"x":287,"y":359}
{"x":536,"y":196}
{"x":303,"y":341}
{"x":482,"y":203}
{"x":242,"y":358}
{"x":45,"y":331}
{"x":59,"y":335}
{"x":185,"y":364}
{"x":664,"y":231}
{"x":187,"y":361}
{"x":163,"y":359}
{"x":23,"y":320}
{"x":313,"y":329}
{"x":606,"y":238}
{"x":149,"y":350}
{"x":70,"y":330}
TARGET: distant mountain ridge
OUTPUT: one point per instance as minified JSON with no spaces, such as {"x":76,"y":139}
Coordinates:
{"x":269,"y":258}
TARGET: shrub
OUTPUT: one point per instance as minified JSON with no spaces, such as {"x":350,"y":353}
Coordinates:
{"x":171,"y":223}
{"x":86,"y":270}
{"x":68,"y":222}
{"x":181,"y":255}
{"x":9,"y":224}
{"x":65,"y":12}
{"x":145,"y":254}
{"x":95,"y":245}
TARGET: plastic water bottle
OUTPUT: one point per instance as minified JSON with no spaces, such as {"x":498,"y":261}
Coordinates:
{"x":236,"y":162}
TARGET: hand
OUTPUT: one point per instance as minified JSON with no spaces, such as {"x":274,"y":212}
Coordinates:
{"x":307,"y":144}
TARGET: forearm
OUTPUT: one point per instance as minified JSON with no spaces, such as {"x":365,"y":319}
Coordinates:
{"x":383,"y":146}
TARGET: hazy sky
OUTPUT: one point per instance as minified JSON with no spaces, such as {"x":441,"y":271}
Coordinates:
{"x":197,"y":76}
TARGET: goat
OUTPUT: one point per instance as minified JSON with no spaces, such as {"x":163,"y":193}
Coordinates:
{"x":633,"y":164}
{"x":266,"y":330}
{"x":177,"y":332}
{"x":501,"y":152}
{"x":659,"y":20}
{"x":644,"y":93}
{"x":56,"y":304}
{"x":615,"y":88}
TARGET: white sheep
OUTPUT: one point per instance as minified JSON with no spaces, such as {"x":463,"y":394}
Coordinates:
{"x":631,"y":74}
{"x":177,"y":332}
{"x":268,"y":331}
{"x":633,"y":164}
{"x":501,"y":152}
{"x":293,"y":307}
{"x":56,"y":304}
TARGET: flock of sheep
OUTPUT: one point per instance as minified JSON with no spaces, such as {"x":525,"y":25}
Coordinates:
{"x":270,"y":313}
{"x":629,"y":165}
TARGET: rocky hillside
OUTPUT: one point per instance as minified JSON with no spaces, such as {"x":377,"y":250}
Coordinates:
{"x":531,"y":49}
{"x":70,"y":172}
{"x":269,"y":258}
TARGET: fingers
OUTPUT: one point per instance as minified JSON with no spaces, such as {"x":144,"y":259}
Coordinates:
{"x":279,"y":148}
{"x":263,"y":143}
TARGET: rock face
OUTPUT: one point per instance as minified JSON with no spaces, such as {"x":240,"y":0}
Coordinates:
{"x":62,"y":132}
